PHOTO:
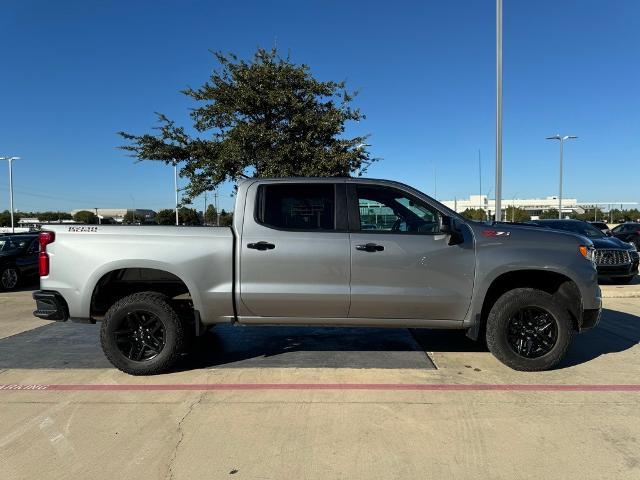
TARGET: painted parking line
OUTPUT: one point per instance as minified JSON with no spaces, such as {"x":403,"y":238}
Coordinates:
{"x":435,"y":387}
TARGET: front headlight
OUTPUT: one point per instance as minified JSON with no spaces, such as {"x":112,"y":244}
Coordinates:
{"x":587,"y":252}
{"x":633,"y":247}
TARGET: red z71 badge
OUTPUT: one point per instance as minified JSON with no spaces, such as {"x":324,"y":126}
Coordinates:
{"x":495,"y":233}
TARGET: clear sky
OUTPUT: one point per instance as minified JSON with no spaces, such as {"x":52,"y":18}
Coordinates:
{"x":76,"y":72}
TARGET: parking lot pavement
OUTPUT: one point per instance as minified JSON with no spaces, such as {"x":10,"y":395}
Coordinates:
{"x":339,"y":409}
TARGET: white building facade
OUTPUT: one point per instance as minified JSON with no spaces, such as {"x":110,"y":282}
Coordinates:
{"x":533,"y":206}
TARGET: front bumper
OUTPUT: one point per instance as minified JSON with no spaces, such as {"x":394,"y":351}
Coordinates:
{"x":623,"y":270}
{"x":50,"y":306}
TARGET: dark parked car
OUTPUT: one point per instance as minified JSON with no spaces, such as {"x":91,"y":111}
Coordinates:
{"x":603,"y":227}
{"x":18,"y":260}
{"x":628,"y":232}
{"x":615,"y":259}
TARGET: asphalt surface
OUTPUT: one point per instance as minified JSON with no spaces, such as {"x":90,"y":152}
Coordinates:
{"x":71,"y":345}
{"x":279,"y":403}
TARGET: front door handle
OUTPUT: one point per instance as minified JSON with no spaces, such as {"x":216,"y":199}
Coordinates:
{"x":261,"y":246}
{"x":370,"y":247}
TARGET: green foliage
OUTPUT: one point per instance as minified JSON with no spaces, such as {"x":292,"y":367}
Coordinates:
{"x":516,"y":214}
{"x":186,"y":216}
{"x":620,"y":216}
{"x":226,"y":218}
{"x":166,"y":216}
{"x":549,"y":214}
{"x":134,"y":218}
{"x":5,"y":218}
{"x":267,"y":117}
{"x":477,"y":214}
{"x":210,"y":216}
{"x":51,"y":216}
{"x":85,"y":216}
{"x":589,"y":214}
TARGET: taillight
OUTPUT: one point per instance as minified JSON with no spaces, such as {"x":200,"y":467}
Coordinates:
{"x":45,"y":238}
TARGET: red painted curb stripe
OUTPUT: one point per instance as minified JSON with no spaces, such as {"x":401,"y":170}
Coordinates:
{"x":319,"y":386}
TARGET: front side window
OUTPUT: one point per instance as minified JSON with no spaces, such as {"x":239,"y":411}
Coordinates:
{"x":297,"y":206}
{"x":389,"y":210}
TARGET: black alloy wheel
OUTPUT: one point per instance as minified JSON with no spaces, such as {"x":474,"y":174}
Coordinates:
{"x":532,"y":332}
{"x":140,"y":336}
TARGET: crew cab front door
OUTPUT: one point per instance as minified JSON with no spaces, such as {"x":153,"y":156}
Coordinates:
{"x":402,"y":266}
{"x":294,"y":252}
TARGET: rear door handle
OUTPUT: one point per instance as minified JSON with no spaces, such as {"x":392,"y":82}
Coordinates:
{"x":261,"y":246}
{"x":370,"y":247}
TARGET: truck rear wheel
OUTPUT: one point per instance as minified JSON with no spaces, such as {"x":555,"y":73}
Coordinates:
{"x":142,"y":334}
{"x":528,"y":330}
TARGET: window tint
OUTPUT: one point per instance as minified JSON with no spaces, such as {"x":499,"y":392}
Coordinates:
{"x":298,"y":206}
{"x":390,"y":210}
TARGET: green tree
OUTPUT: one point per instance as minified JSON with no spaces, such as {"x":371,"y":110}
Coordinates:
{"x":211,"y":215}
{"x":85,"y":216}
{"x":226,"y":218}
{"x":188,"y":216}
{"x":516,"y":214}
{"x":549,"y":214}
{"x":5,"y":218}
{"x":265,"y":117}
{"x":166,"y":217}
{"x":589,"y":214}
{"x":477,"y":214}
{"x":52,"y":216}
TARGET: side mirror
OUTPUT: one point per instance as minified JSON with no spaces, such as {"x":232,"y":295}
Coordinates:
{"x":608,"y":233}
{"x":445,"y":225}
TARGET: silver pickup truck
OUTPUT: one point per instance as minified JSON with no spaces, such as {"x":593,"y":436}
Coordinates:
{"x":332,"y":251}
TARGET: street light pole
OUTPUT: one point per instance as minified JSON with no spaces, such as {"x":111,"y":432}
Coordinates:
{"x":10,"y":160}
{"x":562,"y":140}
{"x":498,"y":207}
{"x":175,"y":182}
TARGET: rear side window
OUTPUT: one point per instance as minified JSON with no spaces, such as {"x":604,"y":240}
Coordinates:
{"x":297,"y":206}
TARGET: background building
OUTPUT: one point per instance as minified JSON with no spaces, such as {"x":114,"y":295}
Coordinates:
{"x":118,"y":214}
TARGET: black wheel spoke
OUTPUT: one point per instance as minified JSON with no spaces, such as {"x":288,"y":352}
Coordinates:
{"x":141,"y":336}
{"x":532,"y":332}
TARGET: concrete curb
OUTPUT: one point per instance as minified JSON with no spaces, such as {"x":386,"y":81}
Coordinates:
{"x":620,"y":291}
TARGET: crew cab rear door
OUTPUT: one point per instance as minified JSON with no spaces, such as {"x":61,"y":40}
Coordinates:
{"x":402,"y":266}
{"x":294,"y":251}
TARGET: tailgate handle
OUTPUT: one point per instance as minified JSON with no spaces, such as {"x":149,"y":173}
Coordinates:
{"x":261,"y":246}
{"x":370,"y":247}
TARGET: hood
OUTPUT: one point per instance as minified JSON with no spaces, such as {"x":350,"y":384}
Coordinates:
{"x":529,"y":232}
{"x":610,"y":242}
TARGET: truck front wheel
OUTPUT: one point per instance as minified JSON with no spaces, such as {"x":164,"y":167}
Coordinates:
{"x":142,"y":334}
{"x":528,"y":330}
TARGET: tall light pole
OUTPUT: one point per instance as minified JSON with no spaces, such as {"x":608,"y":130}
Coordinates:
{"x":10,"y":160}
{"x":175,"y":182}
{"x":562,"y":140}
{"x":480,"y":177}
{"x":498,"y":110}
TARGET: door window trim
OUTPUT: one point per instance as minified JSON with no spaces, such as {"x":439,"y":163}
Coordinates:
{"x":339,"y":215}
{"x":354,"y":210}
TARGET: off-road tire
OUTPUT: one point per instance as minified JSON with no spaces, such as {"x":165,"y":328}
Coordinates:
{"x":158,"y":305}
{"x":498,"y":323}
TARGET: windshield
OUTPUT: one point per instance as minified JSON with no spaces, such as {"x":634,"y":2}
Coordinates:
{"x":12,"y":243}
{"x":582,"y":228}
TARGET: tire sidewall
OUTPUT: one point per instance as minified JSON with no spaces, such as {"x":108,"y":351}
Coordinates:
{"x":172,"y":327}
{"x":498,"y":325}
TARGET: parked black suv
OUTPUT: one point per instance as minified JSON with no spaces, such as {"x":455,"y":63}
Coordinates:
{"x":615,"y":259}
{"x":18,"y":260}
{"x":628,"y":232}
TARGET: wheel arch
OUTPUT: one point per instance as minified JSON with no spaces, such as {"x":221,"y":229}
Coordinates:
{"x":117,"y":283}
{"x":555,"y":283}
